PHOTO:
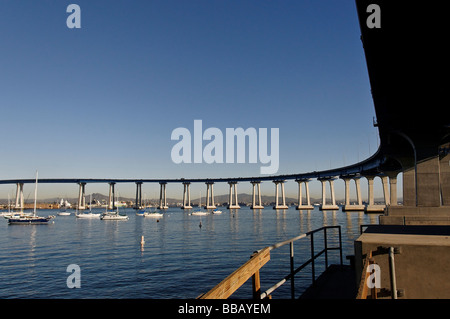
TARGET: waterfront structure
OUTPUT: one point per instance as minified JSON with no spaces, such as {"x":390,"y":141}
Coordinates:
{"x":402,"y":59}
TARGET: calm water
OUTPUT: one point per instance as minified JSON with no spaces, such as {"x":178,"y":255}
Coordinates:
{"x":179,"y":259}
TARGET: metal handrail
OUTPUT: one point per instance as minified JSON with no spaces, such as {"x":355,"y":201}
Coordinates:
{"x":259,"y":258}
{"x":314,"y":256}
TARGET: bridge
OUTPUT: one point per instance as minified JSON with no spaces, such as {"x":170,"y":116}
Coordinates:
{"x":405,"y":62}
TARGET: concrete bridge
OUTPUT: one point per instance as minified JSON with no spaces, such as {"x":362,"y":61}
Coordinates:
{"x":405,"y":60}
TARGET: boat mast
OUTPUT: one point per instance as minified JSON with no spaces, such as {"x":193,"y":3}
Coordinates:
{"x":35,"y":194}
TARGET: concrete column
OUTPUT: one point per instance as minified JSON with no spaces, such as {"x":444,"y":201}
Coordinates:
{"x":299,"y":182}
{"x":428,"y":183}
{"x":324,"y":191}
{"x":283,"y":199}
{"x":81,"y":199}
{"x":358,"y":191}
{"x":19,"y":197}
{"x":371,"y":207}
{"x":324,"y":205}
{"x":256,"y":205}
{"x":370,"y":190}
{"x":162,"y":196}
{"x":253,"y":195}
{"x":138,"y":202}
{"x":347,"y":191}
{"x":110,"y":197}
{"x":333,"y":197}
{"x":259,"y":196}
{"x":276,"y":194}
{"x":232,"y":205}
{"x":352,"y":207}
{"x":393,"y":189}
{"x":207,"y":195}
{"x":236,"y":196}
{"x":308,"y":198}
{"x":186,"y":196}
{"x":387,"y":199}
{"x":210,"y":196}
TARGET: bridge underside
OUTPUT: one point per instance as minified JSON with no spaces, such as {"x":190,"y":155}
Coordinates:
{"x":407,"y":66}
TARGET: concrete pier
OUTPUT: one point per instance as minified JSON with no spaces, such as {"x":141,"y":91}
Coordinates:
{"x":283,"y":197}
{"x":210,"y":195}
{"x":138,"y":202}
{"x":371,"y":207}
{"x":324,"y":205}
{"x":162,"y":196}
{"x":19,"y":197}
{"x":352,"y":207}
{"x":81,"y":199}
{"x":300,"y":205}
{"x":186,"y":196}
{"x":111,"y":196}
{"x":232,"y":205}
{"x":255,"y":205}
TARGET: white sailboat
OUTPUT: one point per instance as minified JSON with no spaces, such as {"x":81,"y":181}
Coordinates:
{"x":113,"y":215}
{"x":89,"y":214}
{"x":153,"y":214}
{"x":62,"y":207}
{"x":33,"y":219}
{"x":200,"y":212}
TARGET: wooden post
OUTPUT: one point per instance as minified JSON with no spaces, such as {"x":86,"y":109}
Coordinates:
{"x":256,"y":282}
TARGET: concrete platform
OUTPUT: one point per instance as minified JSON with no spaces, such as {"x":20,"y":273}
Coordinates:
{"x":328,"y":207}
{"x":421,"y":260}
{"x":337,"y":282}
{"x":350,"y":208}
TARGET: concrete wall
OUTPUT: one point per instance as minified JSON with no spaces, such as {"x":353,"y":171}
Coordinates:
{"x":421,"y":267}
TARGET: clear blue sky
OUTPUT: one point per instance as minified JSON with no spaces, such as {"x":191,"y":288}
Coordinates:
{"x":102,"y":101}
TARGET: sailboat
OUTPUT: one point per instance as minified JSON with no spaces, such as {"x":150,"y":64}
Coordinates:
{"x":113,"y":215}
{"x":200,"y":212}
{"x":25,"y":219}
{"x":63,"y":205}
{"x":153,"y":214}
{"x":89,"y":214}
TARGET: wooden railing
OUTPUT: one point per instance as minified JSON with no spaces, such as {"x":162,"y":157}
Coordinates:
{"x":251,"y":268}
{"x":363,"y":290}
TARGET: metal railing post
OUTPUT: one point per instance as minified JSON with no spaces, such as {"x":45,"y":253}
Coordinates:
{"x":312,"y":259}
{"x":392,"y":273}
{"x":291,"y":245}
{"x":340,"y":245}
{"x":326,"y":247}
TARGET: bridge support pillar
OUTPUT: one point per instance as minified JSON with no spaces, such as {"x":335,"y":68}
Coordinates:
{"x":210,"y":195}
{"x":111,"y":199}
{"x":255,"y":205}
{"x":232,"y":205}
{"x":162,"y":196}
{"x":393,"y":189}
{"x":81,"y":198}
{"x":186,"y":196}
{"x":308,"y":205}
{"x":283,"y":197}
{"x":371,"y":207}
{"x":138,"y":202}
{"x":19,"y":197}
{"x":353,"y":207}
{"x":425,"y":200}
{"x":324,"y":205}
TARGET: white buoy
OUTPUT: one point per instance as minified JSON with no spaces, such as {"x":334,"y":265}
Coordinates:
{"x":142,"y":241}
